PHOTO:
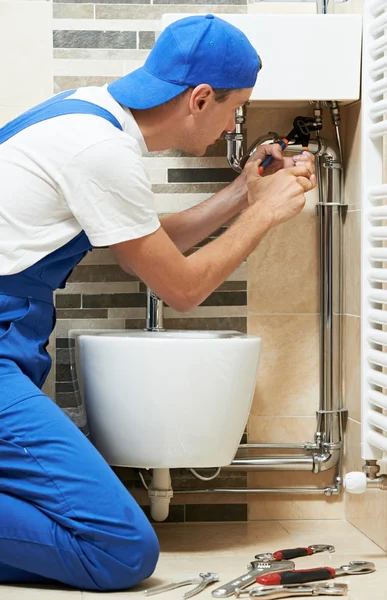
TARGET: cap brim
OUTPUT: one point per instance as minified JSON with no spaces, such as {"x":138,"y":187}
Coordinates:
{"x":141,"y":90}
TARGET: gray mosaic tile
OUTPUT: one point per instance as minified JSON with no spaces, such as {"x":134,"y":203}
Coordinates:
{"x":134,"y":323}
{"x":94,"y":39}
{"x":63,"y":356}
{"x":226,"y":299}
{"x":215,"y":512}
{"x":64,"y":82}
{"x":187,"y":188}
{"x":63,"y":373}
{"x":65,"y":387}
{"x":73,"y":11}
{"x":182,"y":479}
{"x":66,"y":400}
{"x":128,"y":476}
{"x":226,"y":286}
{"x":146,"y":39}
{"x":176,"y":513}
{"x":207,"y":323}
{"x":114,"y":300}
{"x":68,"y":300}
{"x":92,"y":273}
{"x":105,"y":11}
{"x":200,"y":175}
{"x":81,"y":313}
{"x":65,"y":343}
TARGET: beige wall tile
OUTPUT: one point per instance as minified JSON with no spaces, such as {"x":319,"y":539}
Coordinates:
{"x":352,"y":366}
{"x":278,"y":429}
{"x":351,"y":133}
{"x":294,"y":506}
{"x":283,"y":270}
{"x":288,"y":376}
{"x":368,"y":512}
{"x":352,"y":263}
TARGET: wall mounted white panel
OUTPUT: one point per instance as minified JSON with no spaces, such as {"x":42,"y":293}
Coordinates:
{"x":305,"y":57}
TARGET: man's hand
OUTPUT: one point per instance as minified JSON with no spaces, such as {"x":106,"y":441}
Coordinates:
{"x":281,"y":196}
{"x":280,"y":161}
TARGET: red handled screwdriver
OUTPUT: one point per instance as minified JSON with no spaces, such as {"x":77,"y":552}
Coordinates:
{"x":308,"y":575}
{"x":288,"y":554}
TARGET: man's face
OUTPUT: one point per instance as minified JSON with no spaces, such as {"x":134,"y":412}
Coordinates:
{"x":216,"y":118}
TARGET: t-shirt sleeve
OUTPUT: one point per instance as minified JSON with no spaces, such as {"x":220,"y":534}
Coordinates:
{"x":107,"y":189}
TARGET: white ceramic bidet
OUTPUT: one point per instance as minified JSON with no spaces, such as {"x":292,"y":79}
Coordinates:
{"x":166,"y":399}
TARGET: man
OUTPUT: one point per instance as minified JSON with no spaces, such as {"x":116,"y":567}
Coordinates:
{"x":72,"y":177}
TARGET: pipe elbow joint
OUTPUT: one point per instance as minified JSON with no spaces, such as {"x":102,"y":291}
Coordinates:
{"x":326,"y":461}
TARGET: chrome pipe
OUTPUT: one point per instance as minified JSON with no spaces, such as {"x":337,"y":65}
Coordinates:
{"x":304,"y":446}
{"x":154,"y":312}
{"x":327,"y":491}
{"x":235,"y":140}
{"x":322,"y":7}
{"x":272,"y":463}
{"x":330,"y":416}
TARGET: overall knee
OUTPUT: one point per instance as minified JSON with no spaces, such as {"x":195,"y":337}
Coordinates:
{"x":129,"y":563}
{"x":150,"y":550}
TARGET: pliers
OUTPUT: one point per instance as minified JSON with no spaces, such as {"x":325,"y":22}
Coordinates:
{"x":203,"y":580}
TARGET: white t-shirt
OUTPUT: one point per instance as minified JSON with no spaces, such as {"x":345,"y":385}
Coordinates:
{"x":70,"y":173}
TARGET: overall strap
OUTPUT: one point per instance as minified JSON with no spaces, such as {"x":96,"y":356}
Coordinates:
{"x":55,"y":107}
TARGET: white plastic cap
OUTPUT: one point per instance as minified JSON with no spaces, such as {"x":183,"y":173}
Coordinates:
{"x":355,"y":482}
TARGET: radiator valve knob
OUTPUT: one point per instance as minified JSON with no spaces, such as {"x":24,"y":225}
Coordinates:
{"x":355,"y":482}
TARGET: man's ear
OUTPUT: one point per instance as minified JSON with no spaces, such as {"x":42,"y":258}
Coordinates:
{"x":201,"y":96}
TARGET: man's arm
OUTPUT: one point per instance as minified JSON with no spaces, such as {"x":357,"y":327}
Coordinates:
{"x":184,"y":282}
{"x":193,"y":225}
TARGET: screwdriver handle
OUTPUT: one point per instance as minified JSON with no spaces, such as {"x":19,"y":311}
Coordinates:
{"x":292,"y":553}
{"x":269,"y":159}
{"x":301,"y":576}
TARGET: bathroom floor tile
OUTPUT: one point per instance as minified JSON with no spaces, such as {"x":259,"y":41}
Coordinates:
{"x":226,"y":548}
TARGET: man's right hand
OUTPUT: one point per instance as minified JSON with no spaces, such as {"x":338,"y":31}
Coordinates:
{"x":280,"y":196}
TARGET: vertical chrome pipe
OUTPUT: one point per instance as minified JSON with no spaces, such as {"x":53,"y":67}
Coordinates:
{"x":154,"y":312}
{"x":322,"y":7}
{"x":235,"y":141}
{"x":331,"y":298}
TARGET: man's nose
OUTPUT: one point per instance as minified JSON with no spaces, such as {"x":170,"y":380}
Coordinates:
{"x":231,"y":123}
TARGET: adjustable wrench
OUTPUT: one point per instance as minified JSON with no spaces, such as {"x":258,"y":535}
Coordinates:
{"x":285,"y":591}
{"x":255,"y":569}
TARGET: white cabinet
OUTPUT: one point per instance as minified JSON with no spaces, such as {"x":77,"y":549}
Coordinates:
{"x":305,"y":57}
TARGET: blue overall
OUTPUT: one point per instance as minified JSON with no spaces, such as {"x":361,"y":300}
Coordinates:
{"x":64,"y":515}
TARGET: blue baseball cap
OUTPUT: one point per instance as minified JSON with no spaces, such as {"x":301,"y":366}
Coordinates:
{"x":189,"y":52}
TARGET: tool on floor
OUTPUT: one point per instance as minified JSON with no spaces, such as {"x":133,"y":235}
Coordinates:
{"x":304,"y":576}
{"x":295,"y":552}
{"x":203,"y":580}
{"x":300,"y":134}
{"x":255,"y":569}
{"x":286,"y":591}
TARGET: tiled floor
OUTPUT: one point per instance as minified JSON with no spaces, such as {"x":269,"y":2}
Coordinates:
{"x":226,"y":548}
